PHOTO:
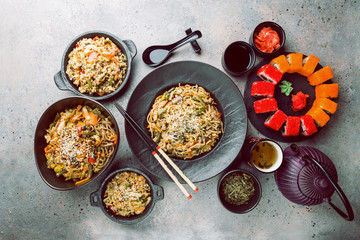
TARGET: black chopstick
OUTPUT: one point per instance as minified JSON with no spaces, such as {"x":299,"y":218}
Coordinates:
{"x":156,"y":150}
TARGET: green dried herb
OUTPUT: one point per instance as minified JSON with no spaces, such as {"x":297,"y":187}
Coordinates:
{"x":286,"y":87}
{"x":238,"y":188}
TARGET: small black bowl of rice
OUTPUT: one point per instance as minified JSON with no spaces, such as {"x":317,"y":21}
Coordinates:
{"x":127,"y":196}
{"x":96,"y":65}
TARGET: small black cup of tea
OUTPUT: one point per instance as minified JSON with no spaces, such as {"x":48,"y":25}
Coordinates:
{"x":238,"y":58}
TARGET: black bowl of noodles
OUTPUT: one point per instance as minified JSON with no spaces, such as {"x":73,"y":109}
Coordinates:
{"x":98,"y":154}
{"x":125,"y":49}
{"x":229,"y":103}
{"x":239,"y":191}
{"x":100,"y":198}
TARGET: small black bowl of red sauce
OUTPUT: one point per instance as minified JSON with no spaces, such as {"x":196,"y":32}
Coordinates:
{"x":268,"y":39}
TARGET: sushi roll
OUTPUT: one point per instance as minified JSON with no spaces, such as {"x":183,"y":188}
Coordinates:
{"x":309,"y":65}
{"x":307,"y":125}
{"x":320,"y":117}
{"x":326,"y":104}
{"x":320,"y":76}
{"x":265,"y":105}
{"x":262,"y":89}
{"x":270,"y":73}
{"x":292,"y":126}
{"x":327,"y":90}
{"x":295,"y":61}
{"x":276,"y":120}
{"x":281,"y":63}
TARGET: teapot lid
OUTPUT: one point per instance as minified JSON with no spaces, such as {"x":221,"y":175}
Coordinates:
{"x":313,"y":184}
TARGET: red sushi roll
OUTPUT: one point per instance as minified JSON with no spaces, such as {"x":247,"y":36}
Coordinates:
{"x":262,"y":89}
{"x":276,"y":120}
{"x":270,"y":73}
{"x":265,"y":105}
{"x":308,"y":126}
{"x":292,"y":127}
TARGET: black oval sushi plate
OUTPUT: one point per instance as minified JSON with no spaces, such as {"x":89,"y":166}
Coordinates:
{"x":299,"y":83}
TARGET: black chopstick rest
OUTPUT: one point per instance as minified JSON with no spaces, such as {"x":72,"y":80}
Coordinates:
{"x":194,"y":43}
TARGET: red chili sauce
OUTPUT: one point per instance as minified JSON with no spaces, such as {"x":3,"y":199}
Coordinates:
{"x":267,"y":40}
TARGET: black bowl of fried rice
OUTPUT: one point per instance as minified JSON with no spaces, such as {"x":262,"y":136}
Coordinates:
{"x":127,"y":196}
{"x":76,"y":139}
{"x":96,"y":65}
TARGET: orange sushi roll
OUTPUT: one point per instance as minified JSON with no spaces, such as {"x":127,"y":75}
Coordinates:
{"x":320,"y":117}
{"x":326,"y":104}
{"x":295,"y":61}
{"x":327,"y":90}
{"x":320,"y":76}
{"x":281,"y":63}
{"x":309,"y":65}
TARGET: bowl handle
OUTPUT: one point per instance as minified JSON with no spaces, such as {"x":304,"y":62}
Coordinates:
{"x":132,"y":48}
{"x":59,"y":81}
{"x":158,"y":192}
{"x":350,"y":213}
{"x":95,"y":200}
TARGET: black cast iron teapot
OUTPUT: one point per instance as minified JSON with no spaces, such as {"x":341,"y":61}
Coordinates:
{"x":308,"y":177}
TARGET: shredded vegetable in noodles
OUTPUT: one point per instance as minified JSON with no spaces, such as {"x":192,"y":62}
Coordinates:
{"x":80,"y":142}
{"x":185,"y":122}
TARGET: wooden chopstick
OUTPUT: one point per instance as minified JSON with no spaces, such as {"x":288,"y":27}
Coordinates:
{"x":178,"y":170}
{"x":154,"y":145}
{"x":156,"y":150}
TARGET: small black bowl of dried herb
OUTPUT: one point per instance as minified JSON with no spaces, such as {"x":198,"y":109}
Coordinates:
{"x":239,"y":191}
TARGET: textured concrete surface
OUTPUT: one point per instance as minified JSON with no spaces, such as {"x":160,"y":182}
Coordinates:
{"x":33,"y":36}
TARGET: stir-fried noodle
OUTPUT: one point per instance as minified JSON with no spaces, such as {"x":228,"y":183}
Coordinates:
{"x":80,"y":142}
{"x":185,"y":122}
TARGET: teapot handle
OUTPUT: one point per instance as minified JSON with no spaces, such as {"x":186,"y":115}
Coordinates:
{"x":350,"y":213}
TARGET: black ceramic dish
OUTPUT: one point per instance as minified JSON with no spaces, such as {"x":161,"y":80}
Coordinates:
{"x":244,"y":208}
{"x":238,"y":58}
{"x":280,"y":31}
{"x":222,"y":89}
{"x":299,"y":83}
{"x":48,"y":175}
{"x":127,"y":47}
{"x":96,"y":199}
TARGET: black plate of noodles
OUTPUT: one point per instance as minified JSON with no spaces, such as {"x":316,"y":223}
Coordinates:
{"x":229,"y":102}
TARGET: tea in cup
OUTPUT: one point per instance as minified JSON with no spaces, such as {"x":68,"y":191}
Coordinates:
{"x":265,"y":155}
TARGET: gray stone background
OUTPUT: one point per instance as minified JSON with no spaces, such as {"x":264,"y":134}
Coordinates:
{"x":33,"y":36}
